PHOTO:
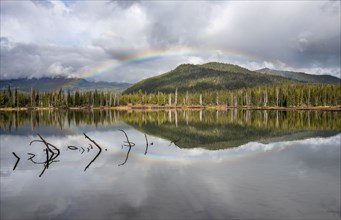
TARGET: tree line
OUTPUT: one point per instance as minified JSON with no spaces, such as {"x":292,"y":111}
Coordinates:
{"x":285,"y":95}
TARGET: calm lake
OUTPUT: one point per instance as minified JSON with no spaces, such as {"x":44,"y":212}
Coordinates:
{"x":210,"y":164}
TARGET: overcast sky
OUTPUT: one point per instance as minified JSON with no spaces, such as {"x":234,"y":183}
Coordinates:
{"x":128,"y":41}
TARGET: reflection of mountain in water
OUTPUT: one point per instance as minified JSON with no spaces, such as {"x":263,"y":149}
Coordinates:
{"x":208,"y":129}
{"x":224,"y":129}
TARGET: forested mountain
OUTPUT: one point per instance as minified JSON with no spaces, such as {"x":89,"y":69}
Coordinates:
{"x":187,"y":85}
{"x":53,"y":84}
{"x":219,"y":76}
{"x":302,"y":77}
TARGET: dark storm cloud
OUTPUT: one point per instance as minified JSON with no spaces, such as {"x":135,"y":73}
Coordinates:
{"x":325,"y":52}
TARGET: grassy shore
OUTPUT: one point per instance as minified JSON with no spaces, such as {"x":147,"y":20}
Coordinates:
{"x":180,"y":107}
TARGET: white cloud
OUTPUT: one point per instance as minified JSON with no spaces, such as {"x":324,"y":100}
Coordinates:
{"x":58,"y":69}
{"x":302,"y":35}
{"x":195,"y":60}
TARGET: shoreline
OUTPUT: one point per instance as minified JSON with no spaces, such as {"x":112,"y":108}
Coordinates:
{"x":191,"y":107}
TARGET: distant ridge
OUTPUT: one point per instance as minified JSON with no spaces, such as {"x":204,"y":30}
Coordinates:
{"x":299,"y":76}
{"x":221,"y":76}
{"x":51,"y":84}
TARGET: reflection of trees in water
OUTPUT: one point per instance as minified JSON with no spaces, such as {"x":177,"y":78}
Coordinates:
{"x":289,"y":120}
{"x":232,"y":128}
{"x":60,"y":118}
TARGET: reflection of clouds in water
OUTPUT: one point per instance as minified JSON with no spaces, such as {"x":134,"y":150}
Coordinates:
{"x":311,"y":143}
{"x":244,"y":150}
{"x":160,"y":150}
{"x":264,"y":180}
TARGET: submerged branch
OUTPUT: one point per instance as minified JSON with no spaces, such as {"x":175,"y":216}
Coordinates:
{"x":99,"y":152}
{"x":72,"y":147}
{"x":42,"y":172}
{"x":125,"y":161}
{"x":130,"y":145}
{"x":16,"y":163}
{"x":55,"y":152}
{"x":146,"y":144}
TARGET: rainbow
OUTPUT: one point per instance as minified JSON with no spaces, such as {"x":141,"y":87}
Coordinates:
{"x":150,"y":55}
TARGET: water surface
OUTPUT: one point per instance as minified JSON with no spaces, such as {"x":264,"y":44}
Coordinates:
{"x":198,"y":164}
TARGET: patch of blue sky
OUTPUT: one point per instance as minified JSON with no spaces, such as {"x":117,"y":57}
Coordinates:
{"x":68,"y":3}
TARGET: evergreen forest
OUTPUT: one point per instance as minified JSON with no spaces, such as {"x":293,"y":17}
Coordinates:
{"x":286,"y":95}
